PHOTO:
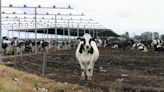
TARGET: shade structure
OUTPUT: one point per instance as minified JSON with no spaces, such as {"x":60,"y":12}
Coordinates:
{"x":73,"y":31}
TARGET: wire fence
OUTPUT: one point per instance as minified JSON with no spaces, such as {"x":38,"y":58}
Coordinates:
{"x":50,"y":63}
{"x":44,"y":56}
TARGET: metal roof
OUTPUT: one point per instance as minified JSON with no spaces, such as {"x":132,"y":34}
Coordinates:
{"x":73,"y":31}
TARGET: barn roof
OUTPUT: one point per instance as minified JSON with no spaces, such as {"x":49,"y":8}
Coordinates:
{"x":73,"y":31}
{"x":108,"y":33}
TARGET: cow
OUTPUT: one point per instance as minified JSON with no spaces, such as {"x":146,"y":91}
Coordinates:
{"x":87,"y":54}
{"x":99,"y":42}
{"x":12,"y":46}
{"x":7,"y":46}
{"x":115,"y":46}
{"x":104,"y":43}
{"x":20,"y":46}
{"x":140,"y":47}
{"x":45,"y":45}
{"x":157,"y":44}
{"x":147,"y":43}
{"x":122,"y":44}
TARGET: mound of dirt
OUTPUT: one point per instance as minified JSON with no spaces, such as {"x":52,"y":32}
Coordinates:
{"x":12,"y":80}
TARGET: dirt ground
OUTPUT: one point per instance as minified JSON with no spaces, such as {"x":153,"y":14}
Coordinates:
{"x":115,"y":71}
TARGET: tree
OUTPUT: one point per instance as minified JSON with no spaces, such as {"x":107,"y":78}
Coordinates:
{"x":162,"y":37}
{"x":137,"y":37}
{"x":146,"y":36}
{"x":126,"y":35}
{"x":156,"y":35}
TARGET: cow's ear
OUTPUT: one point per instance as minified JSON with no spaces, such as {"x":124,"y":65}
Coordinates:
{"x":93,"y":39}
{"x":78,"y":39}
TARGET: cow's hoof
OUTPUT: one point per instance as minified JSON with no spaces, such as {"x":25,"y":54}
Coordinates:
{"x":89,"y":78}
{"x":82,"y":77}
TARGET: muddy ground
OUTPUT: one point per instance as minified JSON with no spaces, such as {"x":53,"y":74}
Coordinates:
{"x":115,"y":71}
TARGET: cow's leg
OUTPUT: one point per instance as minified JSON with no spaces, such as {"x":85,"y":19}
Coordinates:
{"x":82,"y":69}
{"x":17,"y":51}
{"x":33,"y":48}
{"x":89,"y":69}
{"x":92,"y":68}
{"x":83,"y":75}
{"x":7,"y":50}
{"x":4,"y":51}
{"x":11,"y":50}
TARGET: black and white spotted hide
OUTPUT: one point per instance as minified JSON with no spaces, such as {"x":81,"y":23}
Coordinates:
{"x":87,"y":54}
{"x":45,"y":45}
{"x":6,"y":46}
{"x":140,"y":47}
{"x":157,"y":44}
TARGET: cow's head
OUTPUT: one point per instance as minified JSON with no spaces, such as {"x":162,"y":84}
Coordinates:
{"x":5,"y":38}
{"x":86,"y":41}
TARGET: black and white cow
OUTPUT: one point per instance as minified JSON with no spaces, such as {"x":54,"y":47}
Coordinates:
{"x":105,"y":43}
{"x":87,"y":54}
{"x":114,"y":46}
{"x":157,"y":44}
{"x":140,"y":47}
{"x":12,"y":46}
{"x":29,"y":46}
{"x":147,"y":43}
{"x":20,"y":46}
{"x":122,"y":44}
{"x":45,"y":45}
{"x":6,"y":46}
{"x":99,"y":42}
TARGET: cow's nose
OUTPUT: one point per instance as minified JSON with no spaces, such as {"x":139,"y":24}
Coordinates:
{"x":87,"y":47}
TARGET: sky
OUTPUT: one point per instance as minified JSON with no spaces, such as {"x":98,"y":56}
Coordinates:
{"x":133,"y":16}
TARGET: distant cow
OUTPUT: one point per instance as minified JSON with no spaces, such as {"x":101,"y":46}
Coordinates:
{"x":140,"y":47}
{"x":122,"y":44}
{"x":157,"y":44}
{"x":114,"y":46}
{"x":147,"y":43}
{"x":45,"y":45}
{"x":104,"y":43}
{"x":7,"y":46}
{"x":99,"y":42}
{"x":87,"y":54}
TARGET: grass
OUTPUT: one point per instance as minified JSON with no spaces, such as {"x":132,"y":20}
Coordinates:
{"x":27,"y":82}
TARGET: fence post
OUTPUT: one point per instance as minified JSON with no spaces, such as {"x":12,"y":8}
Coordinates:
{"x":21,"y":53}
{"x":44,"y":62}
{"x":15,"y":56}
{"x":0,"y":36}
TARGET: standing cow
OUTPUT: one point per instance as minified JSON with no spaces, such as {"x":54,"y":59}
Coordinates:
{"x":87,"y":54}
{"x":6,"y":46}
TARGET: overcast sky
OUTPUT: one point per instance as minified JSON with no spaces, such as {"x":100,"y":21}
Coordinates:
{"x":134,"y":16}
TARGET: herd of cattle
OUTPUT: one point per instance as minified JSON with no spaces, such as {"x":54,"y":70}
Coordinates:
{"x":18,"y":46}
{"x":143,"y":46}
{"x":87,"y":51}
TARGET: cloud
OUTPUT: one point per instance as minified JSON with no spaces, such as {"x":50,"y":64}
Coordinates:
{"x":119,"y":15}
